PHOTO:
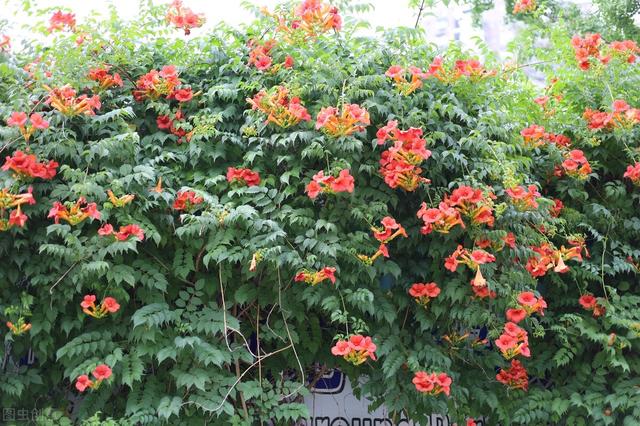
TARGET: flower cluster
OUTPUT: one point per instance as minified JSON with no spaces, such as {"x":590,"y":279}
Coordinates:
{"x":621,"y":115}
{"x":124,"y":233}
{"x":316,"y":277}
{"x":156,"y":84}
{"x":280,"y":109}
{"x":432,"y":383}
{"x":524,"y":6}
{"x":20,"y":328}
{"x":628,"y":50}
{"x":13,"y":202}
{"x":404,"y":86}
{"x":536,"y":136}
{"x":471,"y":68}
{"x":472,"y":260}
{"x":591,"y":47}
{"x":528,"y":304}
{"x":186,"y":200}
{"x":588,"y":47}
{"x":109,"y":305}
{"x":120,"y":201}
{"x":399,"y":165}
{"x":576,"y":165}
{"x":513,"y":341}
{"x":260,"y":54}
{"x":546,"y":257}
{"x":19,"y":120}
{"x":5,"y":43}
{"x":74,"y":213}
{"x":524,"y":198}
{"x":64,"y":99}
{"x":423,"y":293}
{"x":175,"y":125}
{"x":514,"y":377}
{"x":484,"y":242}
{"x":27,"y":166}
{"x":100,"y":373}
{"x":60,"y":20}
{"x":310,"y":19}
{"x":442,"y":219}
{"x":356,"y":349}
{"x":351,"y":118}
{"x":473,"y":203}
{"x":105,"y":80}
{"x":183,"y":18}
{"x":243,"y":176}
{"x":633,"y":174}
{"x":590,"y":303}
{"x":321,"y":184}
{"x":389,"y":231}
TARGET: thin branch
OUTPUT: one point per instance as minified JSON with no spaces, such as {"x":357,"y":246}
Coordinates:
{"x":286,"y":326}
{"x":244,"y":373}
{"x":415,"y":27}
{"x":63,"y":276}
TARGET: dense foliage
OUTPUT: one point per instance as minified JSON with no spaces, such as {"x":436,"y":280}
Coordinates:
{"x":198,"y":227}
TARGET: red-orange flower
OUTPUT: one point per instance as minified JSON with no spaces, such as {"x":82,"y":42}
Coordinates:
{"x":473,"y":204}
{"x":120,"y":201}
{"x":64,"y":99}
{"x":316,"y":277}
{"x":621,"y":115}
{"x":19,"y":120}
{"x":442,"y":219}
{"x":356,"y":349}
{"x":280,"y":109}
{"x":100,"y":373}
{"x":404,"y":86}
{"x":13,"y":203}
{"x":586,"y":48}
{"x":184,"y":18}
{"x":108,"y":305}
{"x":528,"y":303}
{"x":523,"y":6}
{"x":423,"y":293}
{"x":60,"y":20}
{"x":513,"y":341}
{"x":104,"y":79}
{"x":432,"y":383}
{"x":156,"y":84}
{"x":524,"y":198}
{"x":74,"y":213}
{"x":633,"y":173}
{"x":349,"y":119}
{"x":186,"y":200}
{"x":27,"y":166}
{"x":124,"y":233}
{"x":590,"y":303}
{"x":83,"y":382}
{"x":399,"y":165}
{"x":576,"y":164}
{"x":243,"y":176}
{"x":515,"y":377}
{"x":321,"y":184}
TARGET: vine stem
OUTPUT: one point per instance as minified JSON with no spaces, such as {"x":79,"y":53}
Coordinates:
{"x":415,"y":27}
{"x":286,"y":326}
{"x":244,"y":373}
{"x":226,"y":325}
{"x":63,"y":276}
